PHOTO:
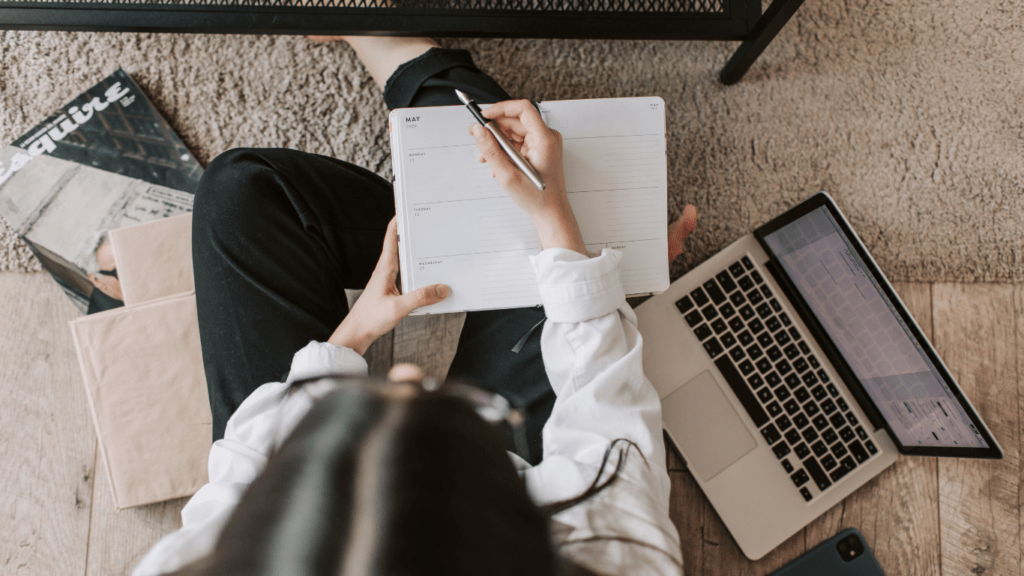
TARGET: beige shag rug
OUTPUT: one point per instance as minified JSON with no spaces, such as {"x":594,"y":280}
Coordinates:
{"x":910,"y":113}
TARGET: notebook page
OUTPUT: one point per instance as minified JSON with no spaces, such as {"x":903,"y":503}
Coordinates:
{"x":460,"y":228}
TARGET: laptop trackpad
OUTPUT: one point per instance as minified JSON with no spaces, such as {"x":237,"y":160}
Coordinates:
{"x":710,"y":434}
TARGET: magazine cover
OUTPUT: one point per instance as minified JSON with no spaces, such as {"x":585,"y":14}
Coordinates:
{"x":105,"y":160}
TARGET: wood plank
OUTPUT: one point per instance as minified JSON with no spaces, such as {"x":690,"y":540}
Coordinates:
{"x":429,"y":341}
{"x":119,"y":539}
{"x":379,"y":356}
{"x":896,"y":511}
{"x":48,"y":446}
{"x":979,"y":500}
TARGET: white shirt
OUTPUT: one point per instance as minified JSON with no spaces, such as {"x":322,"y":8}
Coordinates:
{"x":592,"y":355}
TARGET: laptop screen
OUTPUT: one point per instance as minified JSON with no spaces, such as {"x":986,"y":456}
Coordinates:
{"x":863,"y":323}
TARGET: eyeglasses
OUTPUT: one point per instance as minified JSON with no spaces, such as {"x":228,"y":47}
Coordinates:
{"x":492,"y":407}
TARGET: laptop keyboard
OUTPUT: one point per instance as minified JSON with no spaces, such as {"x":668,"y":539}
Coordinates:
{"x":778,"y":380}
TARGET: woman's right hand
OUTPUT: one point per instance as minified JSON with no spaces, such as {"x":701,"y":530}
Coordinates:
{"x":520,"y":122}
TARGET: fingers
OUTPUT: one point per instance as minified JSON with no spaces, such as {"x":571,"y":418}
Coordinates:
{"x":501,"y":165}
{"x":679,"y":230}
{"x":423,"y":297}
{"x":521,"y":110}
{"x":405,"y":372}
{"x":388,"y":261}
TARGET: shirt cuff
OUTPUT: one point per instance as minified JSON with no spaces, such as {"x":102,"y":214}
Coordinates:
{"x":574,"y":288}
{"x":322,"y":358}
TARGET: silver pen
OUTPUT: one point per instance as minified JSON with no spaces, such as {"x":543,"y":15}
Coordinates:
{"x":507,"y":146}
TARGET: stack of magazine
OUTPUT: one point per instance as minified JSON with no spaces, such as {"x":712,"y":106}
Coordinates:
{"x":105,"y":160}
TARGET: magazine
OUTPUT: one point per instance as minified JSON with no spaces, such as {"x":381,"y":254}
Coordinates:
{"x":105,"y":160}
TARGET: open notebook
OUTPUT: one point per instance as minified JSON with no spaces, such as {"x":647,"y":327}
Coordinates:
{"x":457,"y":226}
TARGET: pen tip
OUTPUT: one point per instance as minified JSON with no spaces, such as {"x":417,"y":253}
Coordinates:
{"x":462,"y":96}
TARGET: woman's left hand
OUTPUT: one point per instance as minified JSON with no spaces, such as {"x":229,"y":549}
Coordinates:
{"x":381,"y":306}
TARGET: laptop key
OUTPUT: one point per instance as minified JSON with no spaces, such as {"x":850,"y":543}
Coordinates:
{"x":755,"y":381}
{"x":755,"y":297}
{"x":765,"y":395}
{"x":694,"y":318}
{"x":764,"y":365}
{"x":801,"y":450}
{"x":801,"y":420}
{"x":819,"y":448}
{"x":820,"y":422}
{"x":774,"y":409}
{"x":820,"y":479}
{"x":737,"y":299}
{"x":702,"y":332}
{"x":725,"y":281}
{"x":773,"y":324}
{"x":773,"y":379}
{"x":819,"y":393}
{"x":783,"y":422}
{"x":823,"y":376}
{"x":833,"y":390}
{"x":804,"y":348}
{"x":782,"y":338}
{"x":774,"y":354}
{"x":842,"y":404}
{"x":790,"y":405}
{"x":787,"y":465}
{"x":837,"y":420}
{"x":801,"y":394}
{"x":810,"y":434}
{"x":858,"y":451}
{"x":747,"y":263}
{"x":738,"y":326}
{"x":747,"y":312}
{"x":839,"y":449}
{"x":810,"y":379}
{"x":792,"y":381}
{"x":851,"y":419}
{"x":829,"y":462}
{"x":782,"y":394}
{"x":754,"y":351}
{"x":783,"y":367}
{"x":756,"y":276}
{"x":736,"y":269}
{"x":800,"y":478}
{"x":719,"y":326}
{"x":794,"y":333}
{"x":775,"y":305}
{"x":699,"y":297}
{"x":847,"y":434}
{"x":786,"y":321}
{"x":709,"y":312}
{"x":727,"y":310}
{"x":737,"y":353}
{"x":714,"y":292}
{"x":781,"y":449}
{"x":845,"y":466}
{"x":806,"y":494}
{"x":742,"y":391}
{"x":755,"y":326}
{"x":747,"y":367}
{"x":828,"y":406}
{"x":800,"y":365}
{"x":829,"y":436}
{"x":764,"y":311}
{"x":684,"y":304}
{"x":728,"y":339}
{"x":861,"y":433}
{"x":746,"y":284}
{"x":793,"y":437}
{"x":713,"y":348}
{"x":771,"y":434}
{"x":766,"y":291}
{"x":792,"y":351}
{"x":812,"y":360}
{"x":871,"y":447}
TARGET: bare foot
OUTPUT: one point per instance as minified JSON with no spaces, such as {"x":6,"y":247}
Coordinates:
{"x":679,"y":230}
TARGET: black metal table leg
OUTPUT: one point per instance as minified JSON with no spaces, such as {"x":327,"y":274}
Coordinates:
{"x":763,"y":32}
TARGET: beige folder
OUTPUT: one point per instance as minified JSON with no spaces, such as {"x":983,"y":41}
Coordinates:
{"x":154,"y":259}
{"x":143,"y":369}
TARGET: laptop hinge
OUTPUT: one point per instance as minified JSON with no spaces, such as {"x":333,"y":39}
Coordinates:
{"x":842,"y":368}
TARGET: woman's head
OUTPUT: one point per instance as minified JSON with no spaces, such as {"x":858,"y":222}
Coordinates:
{"x":386,"y":479}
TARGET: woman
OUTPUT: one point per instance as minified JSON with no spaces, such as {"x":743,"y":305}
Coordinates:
{"x":343,"y":476}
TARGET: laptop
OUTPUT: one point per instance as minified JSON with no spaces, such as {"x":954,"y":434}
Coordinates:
{"x":790,"y":374}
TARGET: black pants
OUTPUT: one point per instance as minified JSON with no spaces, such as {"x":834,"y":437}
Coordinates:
{"x":279,"y":234}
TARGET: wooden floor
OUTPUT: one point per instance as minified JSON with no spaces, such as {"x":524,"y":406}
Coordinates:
{"x":922,"y":516}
